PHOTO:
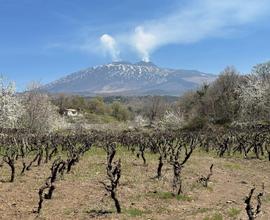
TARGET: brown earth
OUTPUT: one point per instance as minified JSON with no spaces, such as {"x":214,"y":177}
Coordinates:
{"x":80,"y":195}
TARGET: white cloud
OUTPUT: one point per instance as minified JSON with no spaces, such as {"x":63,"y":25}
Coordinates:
{"x":110,"y":46}
{"x":195,"y":21}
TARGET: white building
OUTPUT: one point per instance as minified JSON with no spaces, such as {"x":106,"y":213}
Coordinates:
{"x":71,"y":112}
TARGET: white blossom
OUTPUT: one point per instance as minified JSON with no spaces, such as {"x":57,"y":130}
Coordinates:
{"x":254,"y":93}
{"x":172,"y":120}
{"x":11,"y":109}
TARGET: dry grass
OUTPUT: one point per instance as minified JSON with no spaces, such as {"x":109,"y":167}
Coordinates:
{"x":79,"y":195}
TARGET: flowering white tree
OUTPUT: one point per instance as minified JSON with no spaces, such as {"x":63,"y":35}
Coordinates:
{"x":172,"y":120}
{"x":11,"y":109}
{"x":255,"y":92}
{"x":40,"y":114}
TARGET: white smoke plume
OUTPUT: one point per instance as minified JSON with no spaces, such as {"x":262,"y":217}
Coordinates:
{"x":189,"y":23}
{"x":143,"y":42}
{"x":109,"y":45}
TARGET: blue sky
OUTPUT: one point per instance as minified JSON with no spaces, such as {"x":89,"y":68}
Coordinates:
{"x":43,"y":40}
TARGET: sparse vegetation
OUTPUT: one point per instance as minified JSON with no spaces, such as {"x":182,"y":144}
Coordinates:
{"x":216,"y":216}
{"x":233,"y":212}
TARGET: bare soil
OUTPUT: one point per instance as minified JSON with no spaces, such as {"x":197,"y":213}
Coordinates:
{"x":80,"y":195}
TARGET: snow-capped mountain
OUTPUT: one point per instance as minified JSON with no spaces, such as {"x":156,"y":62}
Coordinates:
{"x":124,"y":78}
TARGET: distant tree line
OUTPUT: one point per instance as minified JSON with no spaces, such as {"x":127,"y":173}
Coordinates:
{"x":231,"y":98}
{"x":120,"y":108}
{"x":94,"y":105}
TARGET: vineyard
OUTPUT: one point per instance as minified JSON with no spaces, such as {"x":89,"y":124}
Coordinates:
{"x":147,"y":110}
{"x":146,"y":174}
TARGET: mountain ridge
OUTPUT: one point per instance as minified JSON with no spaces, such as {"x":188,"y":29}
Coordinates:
{"x":126,"y":78}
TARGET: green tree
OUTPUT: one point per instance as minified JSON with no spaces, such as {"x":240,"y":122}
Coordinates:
{"x":97,"y":106}
{"x":119,"y":111}
{"x":222,"y":98}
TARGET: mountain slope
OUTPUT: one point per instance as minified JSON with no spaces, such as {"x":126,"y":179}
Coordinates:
{"x":124,"y":78}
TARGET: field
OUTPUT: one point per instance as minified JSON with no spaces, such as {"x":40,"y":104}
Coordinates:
{"x":80,"y":195}
{"x":153,"y":129}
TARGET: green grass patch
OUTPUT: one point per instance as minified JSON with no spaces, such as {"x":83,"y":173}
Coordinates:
{"x":216,"y":216}
{"x":95,"y":151}
{"x":201,"y":210}
{"x":200,"y":152}
{"x":133,"y":212}
{"x":95,"y":213}
{"x":164,"y":195}
{"x":169,"y":195}
{"x":93,"y":118}
{"x":209,"y":188}
{"x":183,"y":197}
{"x":233,"y":166}
{"x":233,"y":212}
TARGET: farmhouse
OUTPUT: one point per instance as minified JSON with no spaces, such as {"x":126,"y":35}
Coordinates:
{"x":70,"y":112}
